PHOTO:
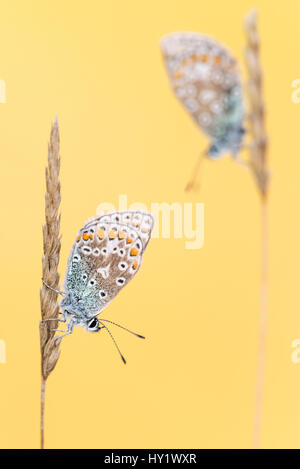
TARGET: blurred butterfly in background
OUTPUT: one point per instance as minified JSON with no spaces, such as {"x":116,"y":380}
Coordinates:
{"x":206,"y":79}
{"x":106,"y":255}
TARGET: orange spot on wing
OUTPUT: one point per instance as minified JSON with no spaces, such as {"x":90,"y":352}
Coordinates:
{"x":121,"y":235}
{"x":135,"y":265}
{"x":112,"y":234}
{"x":204,"y":58}
{"x":134,"y":252}
{"x":129,"y":240}
{"x":91,"y":236}
{"x":101,"y":234}
{"x":178,"y":74}
{"x":217,"y":60}
{"x":85,"y":236}
{"x":78,"y":238}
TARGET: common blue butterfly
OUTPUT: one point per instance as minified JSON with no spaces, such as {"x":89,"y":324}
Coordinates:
{"x":106,"y":255}
{"x":206,"y":79}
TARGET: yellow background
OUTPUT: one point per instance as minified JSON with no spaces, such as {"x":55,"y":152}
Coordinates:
{"x":97,"y":65}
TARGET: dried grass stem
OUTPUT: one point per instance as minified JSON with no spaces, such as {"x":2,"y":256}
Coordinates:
{"x":258,"y":165}
{"x":51,"y":250}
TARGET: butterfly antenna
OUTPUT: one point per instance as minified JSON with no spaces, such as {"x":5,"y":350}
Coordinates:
{"x":113,"y":339}
{"x":192,"y":184}
{"x":125,"y":328}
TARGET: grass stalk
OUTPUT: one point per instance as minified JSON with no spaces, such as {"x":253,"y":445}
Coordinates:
{"x":51,"y":251}
{"x":258,"y":166}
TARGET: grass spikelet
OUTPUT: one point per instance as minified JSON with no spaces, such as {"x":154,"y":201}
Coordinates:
{"x":259,"y":143}
{"x":50,"y":261}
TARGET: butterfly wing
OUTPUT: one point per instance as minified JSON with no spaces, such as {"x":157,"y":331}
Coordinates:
{"x":107,"y":254}
{"x":206,"y":79}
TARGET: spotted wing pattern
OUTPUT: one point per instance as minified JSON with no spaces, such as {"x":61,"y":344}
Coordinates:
{"x":107,"y":254}
{"x":206,"y":79}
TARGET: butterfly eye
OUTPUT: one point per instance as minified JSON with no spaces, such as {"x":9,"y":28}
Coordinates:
{"x":93,"y":324}
{"x":121,"y":252}
{"x":120,"y":281}
{"x":102,"y":294}
{"x":123,"y":265}
{"x":84,"y":277}
{"x":104,"y":251}
{"x":76,"y":258}
{"x":96,"y":252}
{"x":92,"y":282}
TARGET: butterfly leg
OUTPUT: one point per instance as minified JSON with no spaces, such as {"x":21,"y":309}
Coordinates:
{"x":63,"y":319}
{"x":237,"y":159}
{"x":248,"y":146}
{"x":52,"y":289}
{"x":54,"y":319}
{"x":69,"y":331}
{"x":193,"y":182}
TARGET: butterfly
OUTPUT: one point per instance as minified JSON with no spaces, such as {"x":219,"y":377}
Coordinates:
{"x":206,"y":79}
{"x":106,"y":255}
